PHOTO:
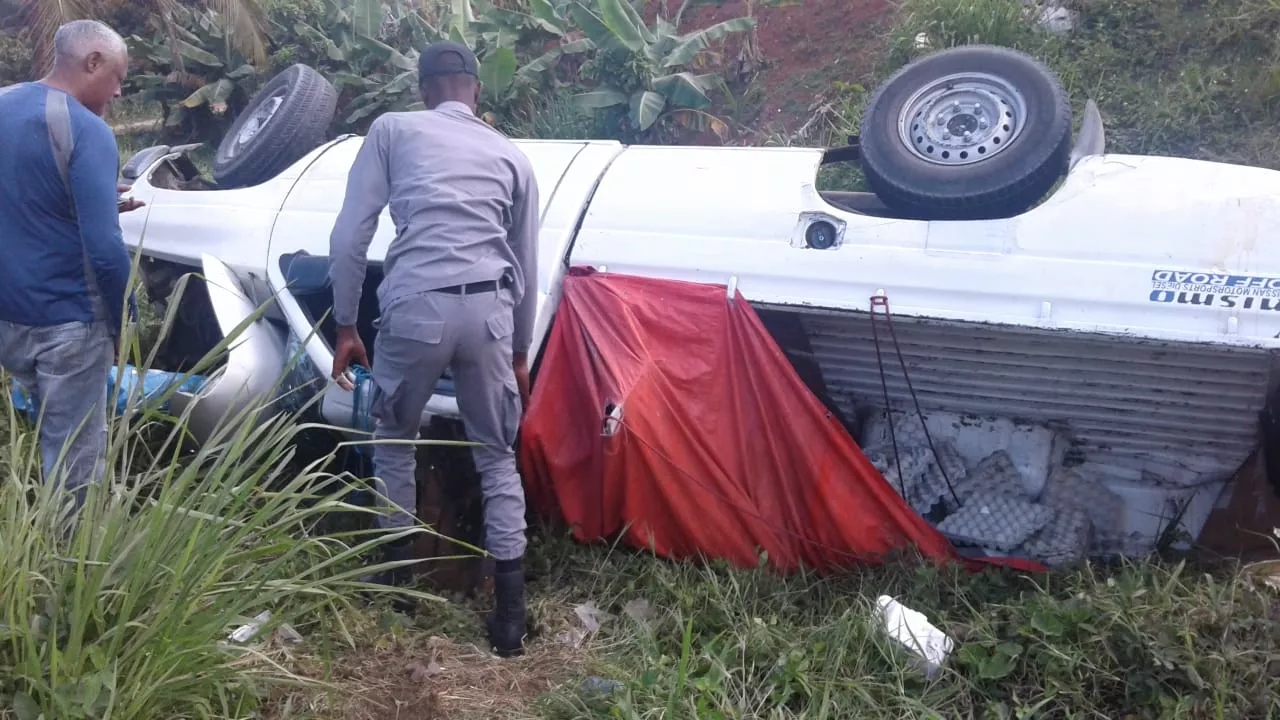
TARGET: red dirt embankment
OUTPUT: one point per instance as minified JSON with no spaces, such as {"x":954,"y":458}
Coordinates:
{"x":805,"y":47}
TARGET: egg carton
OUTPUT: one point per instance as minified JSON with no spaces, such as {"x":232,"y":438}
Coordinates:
{"x":949,"y":459}
{"x":995,"y":521}
{"x":908,"y":429}
{"x":1070,"y":489}
{"x":995,"y":474}
{"x":925,"y":484}
{"x":915,"y":470}
{"x":1064,"y":541}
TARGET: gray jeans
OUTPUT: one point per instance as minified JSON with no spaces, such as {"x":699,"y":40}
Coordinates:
{"x":418,"y":337}
{"x":63,"y":368}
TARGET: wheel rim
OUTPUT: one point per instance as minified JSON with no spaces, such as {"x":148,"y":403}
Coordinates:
{"x":962,"y":119}
{"x":256,"y":121}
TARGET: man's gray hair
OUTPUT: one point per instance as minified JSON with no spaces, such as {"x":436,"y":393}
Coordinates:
{"x":75,"y":40}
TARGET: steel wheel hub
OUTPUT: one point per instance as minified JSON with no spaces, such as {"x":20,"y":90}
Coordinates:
{"x":962,"y":119}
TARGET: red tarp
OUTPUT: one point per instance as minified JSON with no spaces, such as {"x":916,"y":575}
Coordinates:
{"x":721,"y":449}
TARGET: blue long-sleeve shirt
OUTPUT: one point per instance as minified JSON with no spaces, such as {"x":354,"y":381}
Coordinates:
{"x":56,"y":265}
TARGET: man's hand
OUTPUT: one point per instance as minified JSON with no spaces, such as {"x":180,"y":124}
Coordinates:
{"x":127,"y":204}
{"x":350,"y":351}
{"x":520,"y":363}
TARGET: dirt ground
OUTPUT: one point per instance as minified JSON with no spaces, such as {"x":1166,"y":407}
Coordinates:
{"x":441,"y":678}
{"x":438,"y":668}
{"x":805,"y":47}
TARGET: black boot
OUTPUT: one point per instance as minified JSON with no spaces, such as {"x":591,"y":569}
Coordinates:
{"x":506,"y":622}
{"x":402,"y":576}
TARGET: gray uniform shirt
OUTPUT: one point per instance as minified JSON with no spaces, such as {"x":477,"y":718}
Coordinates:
{"x":465,"y":205}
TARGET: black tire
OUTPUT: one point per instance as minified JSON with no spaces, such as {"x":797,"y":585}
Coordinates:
{"x":300,"y":123}
{"x":1010,"y":181}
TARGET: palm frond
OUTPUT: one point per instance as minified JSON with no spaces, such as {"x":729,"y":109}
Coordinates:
{"x":247,"y":26}
{"x":43,"y":18}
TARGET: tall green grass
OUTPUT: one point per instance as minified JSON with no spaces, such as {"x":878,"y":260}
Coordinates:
{"x":554,"y":117}
{"x":125,"y":611}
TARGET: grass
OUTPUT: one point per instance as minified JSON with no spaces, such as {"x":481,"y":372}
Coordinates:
{"x":1159,"y":639}
{"x":1151,"y":640}
{"x":125,"y":612}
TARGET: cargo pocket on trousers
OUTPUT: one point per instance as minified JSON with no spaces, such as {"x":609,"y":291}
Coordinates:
{"x":500,"y":324}
{"x":382,"y":405}
{"x":511,"y":410}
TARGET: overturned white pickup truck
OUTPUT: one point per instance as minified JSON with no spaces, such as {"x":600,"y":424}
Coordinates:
{"x":1120,"y":329}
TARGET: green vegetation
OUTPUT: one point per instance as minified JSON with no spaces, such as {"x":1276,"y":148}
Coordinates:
{"x":640,"y":70}
{"x":126,"y":613}
{"x":15,"y":59}
{"x":1152,"y":640}
{"x":196,"y":85}
{"x":128,"y":616}
{"x":189,"y":61}
{"x":1198,"y":78}
{"x":34,"y":22}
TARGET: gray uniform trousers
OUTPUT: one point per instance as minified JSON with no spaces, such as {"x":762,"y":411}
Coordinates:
{"x":418,"y":337}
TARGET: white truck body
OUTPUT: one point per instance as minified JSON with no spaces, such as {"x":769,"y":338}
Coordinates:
{"x":1127,"y":324}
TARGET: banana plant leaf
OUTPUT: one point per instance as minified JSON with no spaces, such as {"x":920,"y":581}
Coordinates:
{"x":600,"y":98}
{"x":646,"y":108}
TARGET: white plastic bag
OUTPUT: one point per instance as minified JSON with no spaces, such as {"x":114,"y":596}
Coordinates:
{"x":913,"y":631}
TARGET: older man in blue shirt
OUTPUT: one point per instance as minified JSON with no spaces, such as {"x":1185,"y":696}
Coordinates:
{"x":65,"y":271}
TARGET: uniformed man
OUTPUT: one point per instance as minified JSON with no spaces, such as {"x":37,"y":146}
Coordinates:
{"x":459,"y":291}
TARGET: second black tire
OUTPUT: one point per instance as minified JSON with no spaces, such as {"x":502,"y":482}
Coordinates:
{"x":994,"y":181}
{"x":288,"y":118}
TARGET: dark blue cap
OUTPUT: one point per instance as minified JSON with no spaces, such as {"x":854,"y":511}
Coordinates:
{"x":447,"y":58}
